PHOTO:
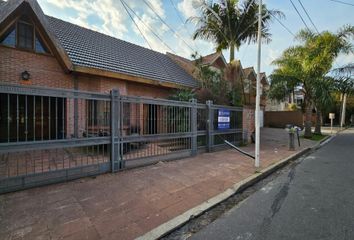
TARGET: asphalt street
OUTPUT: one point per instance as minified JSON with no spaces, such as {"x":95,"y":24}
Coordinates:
{"x":313,"y":200}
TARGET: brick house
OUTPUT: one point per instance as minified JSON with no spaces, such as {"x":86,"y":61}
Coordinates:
{"x":39,"y":50}
{"x":244,"y":78}
{"x":250,"y":81}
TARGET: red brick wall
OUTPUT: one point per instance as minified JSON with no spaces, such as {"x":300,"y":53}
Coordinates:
{"x":44,"y":70}
{"x":137,"y":89}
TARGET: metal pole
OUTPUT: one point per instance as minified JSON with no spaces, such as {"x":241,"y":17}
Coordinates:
{"x":342,"y":121}
{"x":257,"y":159}
{"x":331,"y":125}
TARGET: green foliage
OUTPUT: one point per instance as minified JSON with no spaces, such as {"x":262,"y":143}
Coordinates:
{"x":229,"y":24}
{"x":344,"y":79}
{"x":292,"y":107}
{"x":307,"y":64}
{"x":235,"y":96}
{"x":213,"y":85}
{"x":317,"y":137}
{"x":183,"y":95}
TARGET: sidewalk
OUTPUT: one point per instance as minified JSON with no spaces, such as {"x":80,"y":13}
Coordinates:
{"x":130,"y":203}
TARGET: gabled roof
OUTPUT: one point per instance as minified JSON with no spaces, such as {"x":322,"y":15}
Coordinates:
{"x":92,"y":50}
{"x":248,"y":71}
{"x":11,"y":8}
{"x":264,"y":79}
{"x":213,"y":57}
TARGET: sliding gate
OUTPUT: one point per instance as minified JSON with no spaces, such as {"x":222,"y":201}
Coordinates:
{"x":54,"y":135}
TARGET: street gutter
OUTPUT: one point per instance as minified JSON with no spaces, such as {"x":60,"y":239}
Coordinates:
{"x":182,"y":219}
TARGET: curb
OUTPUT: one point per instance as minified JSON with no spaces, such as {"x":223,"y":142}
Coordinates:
{"x":178,"y":221}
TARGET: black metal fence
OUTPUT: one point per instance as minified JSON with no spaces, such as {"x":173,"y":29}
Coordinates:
{"x":52,"y":135}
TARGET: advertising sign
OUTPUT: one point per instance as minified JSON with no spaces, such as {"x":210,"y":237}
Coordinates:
{"x":223,"y":119}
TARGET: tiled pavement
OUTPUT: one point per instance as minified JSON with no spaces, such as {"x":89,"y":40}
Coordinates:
{"x":130,"y":203}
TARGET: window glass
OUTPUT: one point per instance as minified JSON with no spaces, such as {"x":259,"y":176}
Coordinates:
{"x":39,"y":46}
{"x":25,"y":35}
{"x":10,"y":38}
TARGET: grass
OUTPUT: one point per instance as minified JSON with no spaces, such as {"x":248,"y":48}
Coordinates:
{"x":316,"y":137}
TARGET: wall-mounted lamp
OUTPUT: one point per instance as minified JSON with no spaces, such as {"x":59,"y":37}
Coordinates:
{"x":25,"y":75}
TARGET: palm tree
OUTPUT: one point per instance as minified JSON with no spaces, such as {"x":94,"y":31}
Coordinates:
{"x":307,"y":64}
{"x":323,"y":99}
{"x":230,"y":24}
{"x":344,"y":84}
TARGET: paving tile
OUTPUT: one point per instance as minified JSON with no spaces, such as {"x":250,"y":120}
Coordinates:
{"x":129,"y":203}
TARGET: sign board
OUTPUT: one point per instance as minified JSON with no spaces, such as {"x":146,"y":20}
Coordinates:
{"x":331,"y":116}
{"x":223,"y":119}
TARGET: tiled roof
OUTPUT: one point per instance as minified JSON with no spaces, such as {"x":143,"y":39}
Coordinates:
{"x":96,"y":50}
{"x":92,"y":49}
{"x":7,"y":7}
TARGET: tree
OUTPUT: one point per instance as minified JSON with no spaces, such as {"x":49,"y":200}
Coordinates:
{"x":213,"y":85}
{"x":230,"y":24}
{"x":307,"y":64}
{"x":323,"y":99}
{"x":344,"y":83}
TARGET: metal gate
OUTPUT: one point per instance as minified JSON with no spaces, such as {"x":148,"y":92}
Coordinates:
{"x":54,"y":135}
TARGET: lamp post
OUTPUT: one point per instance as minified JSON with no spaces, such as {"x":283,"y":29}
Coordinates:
{"x":257,"y":120}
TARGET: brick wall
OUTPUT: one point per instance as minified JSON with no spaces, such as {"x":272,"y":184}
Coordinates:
{"x":44,"y":70}
{"x":143,"y":90}
{"x":279,"y":119}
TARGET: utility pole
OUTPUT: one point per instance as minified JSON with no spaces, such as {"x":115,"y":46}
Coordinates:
{"x":258,"y":97}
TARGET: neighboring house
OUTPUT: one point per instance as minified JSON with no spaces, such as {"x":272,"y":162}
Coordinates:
{"x":39,"y":50}
{"x":215,"y":61}
{"x":233,"y":74}
{"x":250,"y":83}
{"x":296,"y":97}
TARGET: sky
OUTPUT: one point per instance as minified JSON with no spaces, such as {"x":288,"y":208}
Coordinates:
{"x":111,"y":18}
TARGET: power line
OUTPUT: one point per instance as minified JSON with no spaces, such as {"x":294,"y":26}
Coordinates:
{"x":171,"y":29}
{"x":178,"y":14}
{"x":337,"y":1}
{"x":131,"y":17}
{"x":182,"y":21}
{"x":282,"y":24}
{"x":152,"y":31}
{"x":125,"y":5}
{"x":308,"y":15}
{"x":299,"y":15}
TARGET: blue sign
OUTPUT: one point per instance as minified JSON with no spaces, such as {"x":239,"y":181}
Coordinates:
{"x":223,"y":119}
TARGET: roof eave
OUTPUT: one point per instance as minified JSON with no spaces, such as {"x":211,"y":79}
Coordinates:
{"x":126,"y":77}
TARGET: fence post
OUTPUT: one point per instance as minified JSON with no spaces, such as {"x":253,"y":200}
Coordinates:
{"x":194,"y":127}
{"x":115,"y":131}
{"x":210,"y":126}
{"x":76,"y":109}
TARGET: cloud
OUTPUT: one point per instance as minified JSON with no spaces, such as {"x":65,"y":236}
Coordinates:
{"x":157,"y":6}
{"x":110,"y":12}
{"x":189,"y":8}
{"x":145,"y":25}
{"x":344,"y":60}
{"x":111,"y":18}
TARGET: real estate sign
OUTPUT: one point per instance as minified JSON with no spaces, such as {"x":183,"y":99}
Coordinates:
{"x":223,"y":119}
